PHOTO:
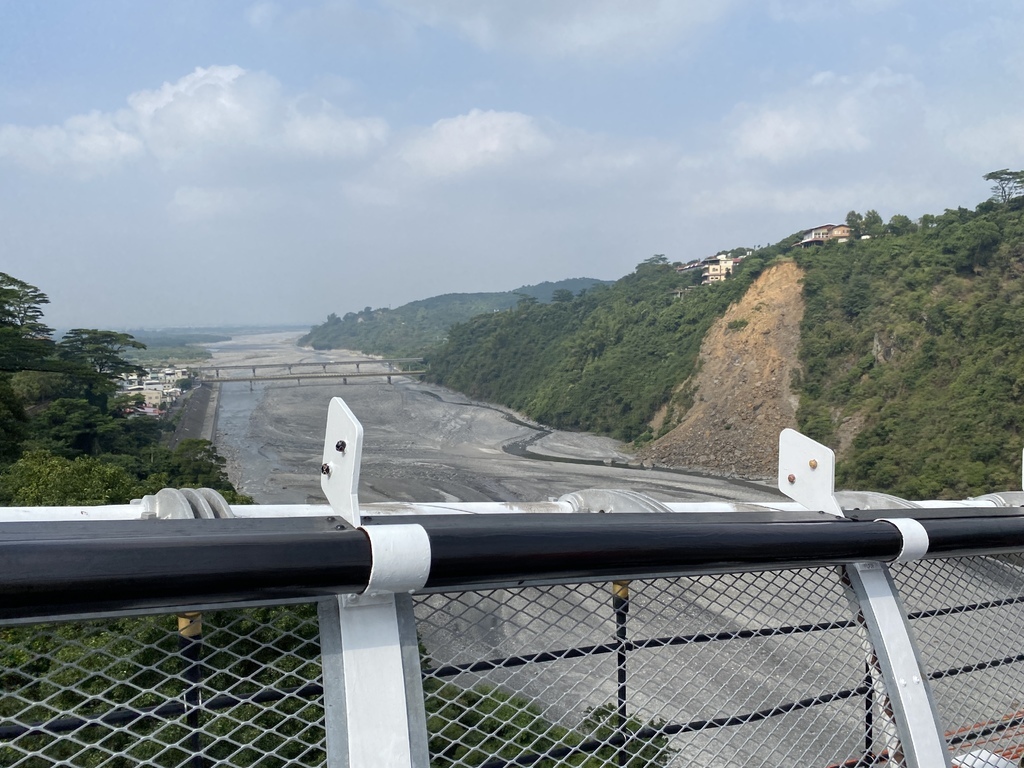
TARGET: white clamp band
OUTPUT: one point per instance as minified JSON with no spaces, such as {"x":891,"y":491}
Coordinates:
{"x":401,"y":558}
{"x":915,"y":538}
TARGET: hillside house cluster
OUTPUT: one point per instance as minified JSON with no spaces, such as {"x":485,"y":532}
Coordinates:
{"x":714,"y":269}
{"x":159,"y":388}
{"x":826,"y":232}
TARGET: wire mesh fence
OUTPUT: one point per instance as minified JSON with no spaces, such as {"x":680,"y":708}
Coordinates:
{"x":967,"y":615}
{"x":137,"y":692}
{"x":739,"y":670}
{"x":749,"y":669}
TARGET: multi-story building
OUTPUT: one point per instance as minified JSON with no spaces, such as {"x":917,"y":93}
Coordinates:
{"x":821,"y":235}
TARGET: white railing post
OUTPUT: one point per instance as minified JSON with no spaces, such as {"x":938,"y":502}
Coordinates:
{"x":373,"y":693}
{"x":807,"y":475}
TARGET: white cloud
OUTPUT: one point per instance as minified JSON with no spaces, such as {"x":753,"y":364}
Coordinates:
{"x":325,"y":133}
{"x":829,"y":114}
{"x":89,"y":143}
{"x":459,"y":145}
{"x":570,"y":28}
{"x":221,"y":113}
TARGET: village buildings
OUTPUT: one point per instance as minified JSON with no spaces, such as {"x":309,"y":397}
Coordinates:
{"x":157,"y":388}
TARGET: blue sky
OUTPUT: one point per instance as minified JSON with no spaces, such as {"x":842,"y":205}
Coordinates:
{"x":194,"y":163}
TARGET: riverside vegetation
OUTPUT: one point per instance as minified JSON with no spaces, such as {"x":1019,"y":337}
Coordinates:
{"x":66,"y":435}
{"x":911,"y":356}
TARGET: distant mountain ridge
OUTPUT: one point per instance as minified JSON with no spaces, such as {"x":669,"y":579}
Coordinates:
{"x":413,"y":328}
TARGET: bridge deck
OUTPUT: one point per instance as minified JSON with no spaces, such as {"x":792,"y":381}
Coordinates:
{"x":300,"y":376}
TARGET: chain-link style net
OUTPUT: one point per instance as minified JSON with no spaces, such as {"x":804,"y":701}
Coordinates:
{"x":967,"y":615}
{"x":116,"y":693}
{"x":747,"y":670}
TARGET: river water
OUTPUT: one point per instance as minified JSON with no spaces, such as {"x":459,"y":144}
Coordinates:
{"x":422,"y":442}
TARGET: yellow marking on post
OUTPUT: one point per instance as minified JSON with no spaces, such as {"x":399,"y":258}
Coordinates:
{"x":190,"y":624}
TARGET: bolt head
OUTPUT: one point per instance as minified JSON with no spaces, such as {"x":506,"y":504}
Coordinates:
{"x":792,"y":479}
{"x":325,"y":469}
{"x":340,"y":446}
{"x":813,"y":463}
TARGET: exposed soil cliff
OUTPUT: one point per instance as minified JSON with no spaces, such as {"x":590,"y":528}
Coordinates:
{"x":742,"y":396}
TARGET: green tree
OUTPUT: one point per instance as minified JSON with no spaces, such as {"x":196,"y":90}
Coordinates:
{"x":97,"y":359}
{"x":872,"y":224}
{"x":71,"y":427}
{"x":1006,"y":185}
{"x":24,"y":340}
{"x":21,"y":307}
{"x":13,"y":422}
{"x":40,"y":479}
{"x":101,"y":351}
{"x":855,"y":222}
{"x":900,"y":225}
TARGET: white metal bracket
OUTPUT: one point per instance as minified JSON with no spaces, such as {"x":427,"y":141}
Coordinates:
{"x":401,"y":559}
{"x":339,"y":470}
{"x":915,"y":538}
{"x":807,"y":472}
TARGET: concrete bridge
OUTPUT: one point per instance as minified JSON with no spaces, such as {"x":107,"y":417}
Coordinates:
{"x":212,"y":373}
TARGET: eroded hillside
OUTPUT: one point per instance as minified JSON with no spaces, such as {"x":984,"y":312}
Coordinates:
{"x":742,"y":396}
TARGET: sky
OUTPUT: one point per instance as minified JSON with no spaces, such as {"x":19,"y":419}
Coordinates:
{"x":188,"y":163}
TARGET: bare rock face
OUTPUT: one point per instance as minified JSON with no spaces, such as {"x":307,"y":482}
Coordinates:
{"x":742,"y":389}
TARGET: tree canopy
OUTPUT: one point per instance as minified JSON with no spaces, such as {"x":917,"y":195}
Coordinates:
{"x":63,"y":439}
{"x":1006,"y":184}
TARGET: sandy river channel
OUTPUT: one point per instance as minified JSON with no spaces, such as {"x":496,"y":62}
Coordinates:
{"x":422,"y":442}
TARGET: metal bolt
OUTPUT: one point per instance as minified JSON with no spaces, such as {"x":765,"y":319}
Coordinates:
{"x":813,"y":463}
{"x":792,"y":479}
{"x":330,"y":519}
{"x":340,"y":446}
{"x":325,"y":469}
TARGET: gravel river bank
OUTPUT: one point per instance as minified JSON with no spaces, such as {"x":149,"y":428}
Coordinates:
{"x":422,"y":442}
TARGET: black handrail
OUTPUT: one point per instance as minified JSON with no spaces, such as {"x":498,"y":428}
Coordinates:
{"x":49,"y":569}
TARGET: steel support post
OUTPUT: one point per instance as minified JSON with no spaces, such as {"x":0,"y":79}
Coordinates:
{"x":907,"y":691}
{"x":373,"y":695}
{"x":807,"y":475}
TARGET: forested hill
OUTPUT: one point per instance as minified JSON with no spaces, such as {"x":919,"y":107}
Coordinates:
{"x":603,"y":361}
{"x":412,"y":328}
{"x":911,"y":351}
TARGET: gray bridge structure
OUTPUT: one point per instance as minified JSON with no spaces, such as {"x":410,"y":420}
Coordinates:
{"x":329,"y":369}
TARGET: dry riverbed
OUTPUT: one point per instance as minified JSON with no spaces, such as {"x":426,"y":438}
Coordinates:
{"x":422,"y":442}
